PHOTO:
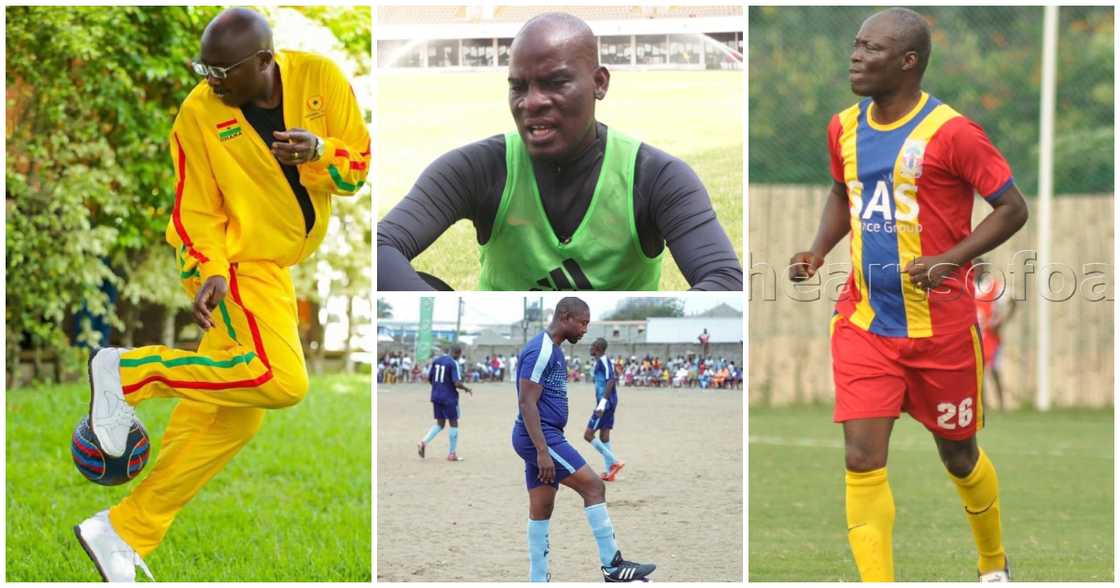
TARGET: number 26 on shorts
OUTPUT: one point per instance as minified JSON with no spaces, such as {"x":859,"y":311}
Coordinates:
{"x":949,"y":410}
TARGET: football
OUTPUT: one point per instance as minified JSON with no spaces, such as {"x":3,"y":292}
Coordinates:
{"x":102,"y":469}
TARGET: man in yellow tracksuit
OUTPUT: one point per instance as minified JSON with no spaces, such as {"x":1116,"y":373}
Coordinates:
{"x":259,"y":148}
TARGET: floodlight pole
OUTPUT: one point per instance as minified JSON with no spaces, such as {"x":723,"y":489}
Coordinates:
{"x":1045,"y":197}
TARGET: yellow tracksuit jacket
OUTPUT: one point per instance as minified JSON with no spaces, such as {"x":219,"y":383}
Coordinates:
{"x":232,"y":202}
{"x":235,"y":215}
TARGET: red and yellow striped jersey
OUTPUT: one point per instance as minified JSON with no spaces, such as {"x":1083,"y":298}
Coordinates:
{"x":910,"y":188}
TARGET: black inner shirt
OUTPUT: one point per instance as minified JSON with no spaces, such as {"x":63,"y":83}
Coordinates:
{"x":671,"y":207}
{"x":265,"y":121}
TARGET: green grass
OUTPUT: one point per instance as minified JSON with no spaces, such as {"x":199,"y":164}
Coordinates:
{"x":293,"y":505}
{"x":1056,"y":495}
{"x":696,"y":116}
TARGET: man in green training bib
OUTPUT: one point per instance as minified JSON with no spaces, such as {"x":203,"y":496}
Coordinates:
{"x":563,"y":202}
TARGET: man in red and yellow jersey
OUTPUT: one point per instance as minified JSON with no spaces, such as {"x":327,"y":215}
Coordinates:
{"x":259,"y":148}
{"x":905,"y":167}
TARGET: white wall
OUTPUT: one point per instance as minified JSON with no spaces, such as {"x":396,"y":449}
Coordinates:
{"x":686,"y":330}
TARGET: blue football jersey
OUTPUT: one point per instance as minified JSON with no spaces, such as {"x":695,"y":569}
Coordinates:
{"x":541,"y":361}
{"x":443,"y":375}
{"x":604,"y":372}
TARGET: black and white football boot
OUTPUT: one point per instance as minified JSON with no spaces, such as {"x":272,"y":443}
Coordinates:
{"x":621,"y":570}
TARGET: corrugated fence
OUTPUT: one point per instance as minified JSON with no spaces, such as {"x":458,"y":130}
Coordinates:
{"x":789,"y":354}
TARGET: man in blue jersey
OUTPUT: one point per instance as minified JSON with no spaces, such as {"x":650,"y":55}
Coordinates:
{"x":606,"y":401}
{"x":446,"y":383}
{"x":538,"y":437}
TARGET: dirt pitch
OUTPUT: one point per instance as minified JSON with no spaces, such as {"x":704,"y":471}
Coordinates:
{"x":678,"y":503}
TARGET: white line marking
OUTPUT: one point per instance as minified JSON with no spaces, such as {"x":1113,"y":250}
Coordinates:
{"x":1061,"y":450}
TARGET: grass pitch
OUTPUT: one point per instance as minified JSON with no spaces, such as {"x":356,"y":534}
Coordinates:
{"x":696,"y":116}
{"x":293,"y":505}
{"x":1056,"y":495}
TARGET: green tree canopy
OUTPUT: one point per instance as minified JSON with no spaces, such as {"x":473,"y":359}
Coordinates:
{"x":643,"y":307}
{"x":91,"y":94}
{"x":986,"y":63}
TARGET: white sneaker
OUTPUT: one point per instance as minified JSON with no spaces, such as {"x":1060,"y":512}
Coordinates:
{"x":996,"y":576}
{"x":1003,"y":575}
{"x":109,"y":414}
{"x":115,"y":560}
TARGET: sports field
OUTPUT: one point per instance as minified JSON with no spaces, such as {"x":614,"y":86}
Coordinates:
{"x":1056,"y":495}
{"x":293,"y":505}
{"x":678,"y":503}
{"x":696,"y":116}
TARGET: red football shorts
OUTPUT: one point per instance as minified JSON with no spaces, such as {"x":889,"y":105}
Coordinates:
{"x":938,"y":380}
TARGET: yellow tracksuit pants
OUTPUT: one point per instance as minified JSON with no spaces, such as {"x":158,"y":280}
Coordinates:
{"x":251,"y":360}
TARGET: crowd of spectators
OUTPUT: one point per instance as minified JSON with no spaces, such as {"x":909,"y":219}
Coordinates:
{"x":398,"y":367}
{"x":683,"y":371}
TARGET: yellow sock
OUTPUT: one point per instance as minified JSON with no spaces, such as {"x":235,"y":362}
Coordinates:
{"x":980,"y":496}
{"x":870,"y":508}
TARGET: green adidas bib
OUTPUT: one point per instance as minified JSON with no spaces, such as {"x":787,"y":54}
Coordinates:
{"x":604,"y":253}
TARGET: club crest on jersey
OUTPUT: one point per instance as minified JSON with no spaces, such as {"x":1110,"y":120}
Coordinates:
{"x":315,"y":107}
{"x":913,"y":151}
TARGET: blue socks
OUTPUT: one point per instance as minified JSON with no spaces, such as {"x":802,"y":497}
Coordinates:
{"x":603,"y":530}
{"x":604,"y":449}
{"x":601,"y":527}
{"x":538,"y":550}
{"x":453,"y":432}
{"x":432,"y":433}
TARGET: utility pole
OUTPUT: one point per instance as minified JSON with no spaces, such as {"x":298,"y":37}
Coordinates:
{"x":524,"y":320}
{"x":459,"y":319}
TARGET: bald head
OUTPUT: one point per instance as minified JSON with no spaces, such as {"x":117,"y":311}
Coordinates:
{"x":554,"y":81}
{"x":569,"y":322}
{"x":570,"y":306}
{"x":911,"y":30}
{"x":237,"y":30}
{"x":240,"y":41}
{"x":560,"y":29}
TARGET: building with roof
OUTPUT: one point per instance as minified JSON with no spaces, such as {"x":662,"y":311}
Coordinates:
{"x":479,"y":36}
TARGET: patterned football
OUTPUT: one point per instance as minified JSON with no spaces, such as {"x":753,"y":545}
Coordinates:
{"x":98,"y":467}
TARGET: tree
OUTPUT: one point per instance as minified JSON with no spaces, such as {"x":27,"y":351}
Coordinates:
{"x":92,"y":92}
{"x":641,"y":308}
{"x":384,"y":309}
{"x":350,"y":25}
{"x":986,"y":63}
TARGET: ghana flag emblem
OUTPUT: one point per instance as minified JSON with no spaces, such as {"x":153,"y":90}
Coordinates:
{"x":229,"y":129}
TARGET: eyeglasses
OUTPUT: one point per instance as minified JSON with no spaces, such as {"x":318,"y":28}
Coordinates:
{"x":220,"y":73}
